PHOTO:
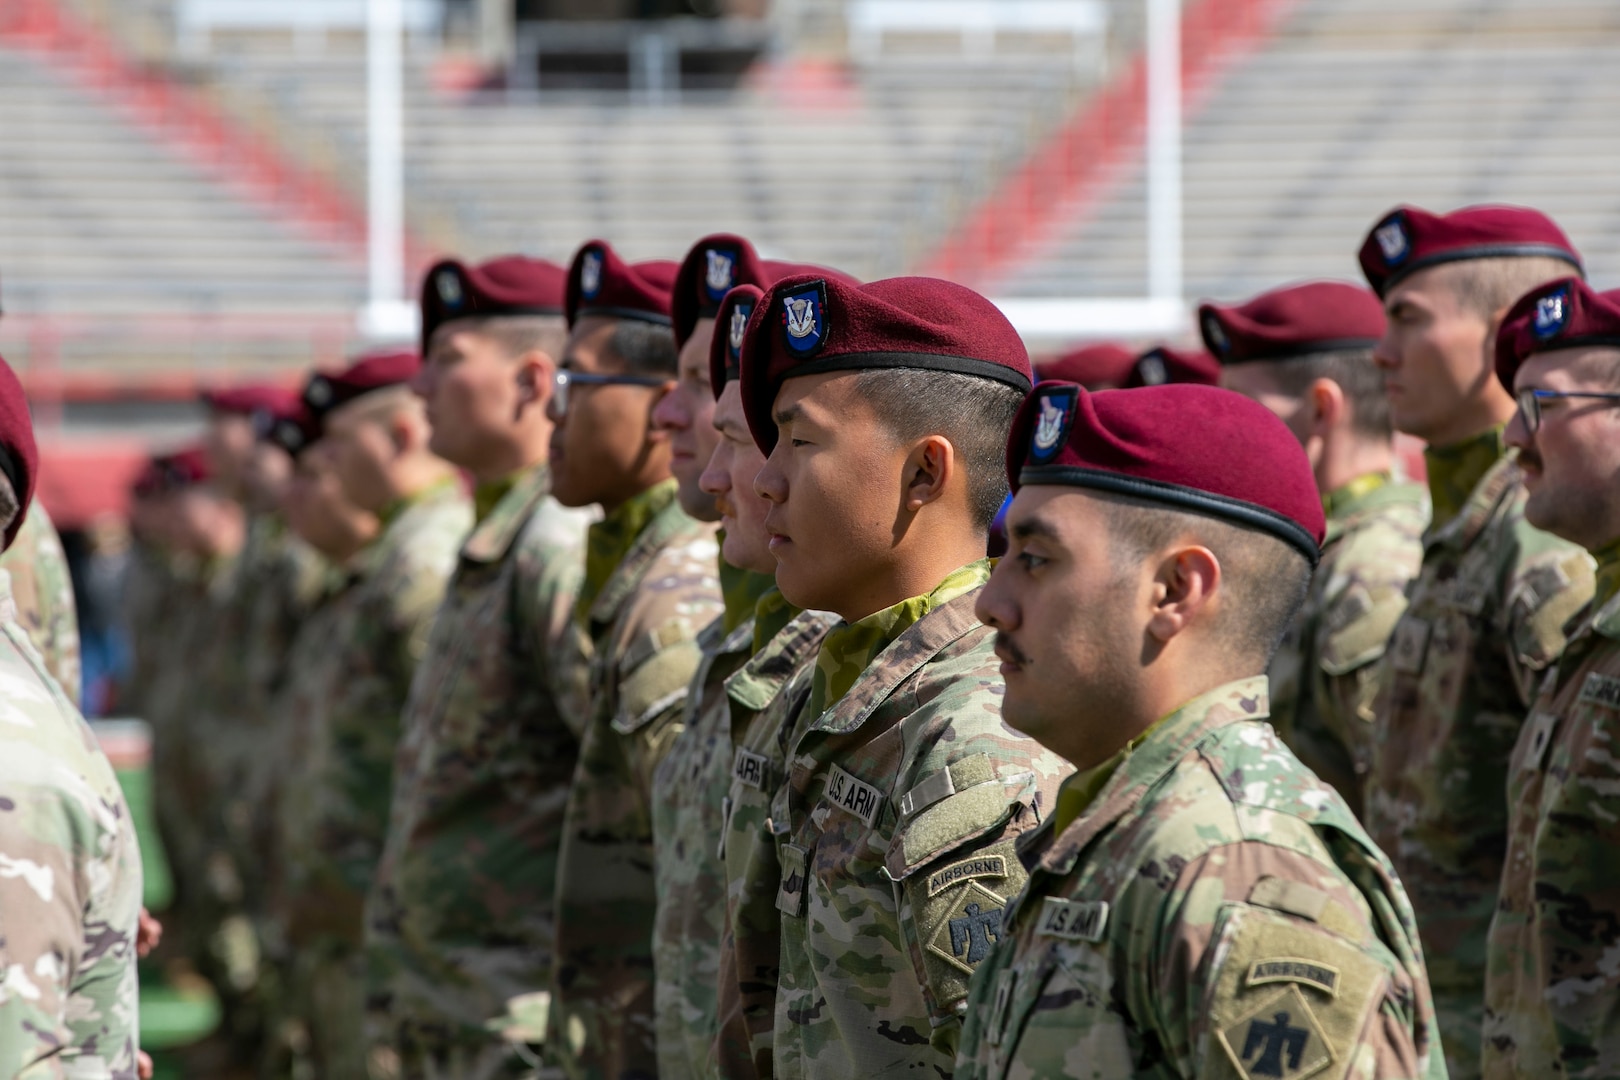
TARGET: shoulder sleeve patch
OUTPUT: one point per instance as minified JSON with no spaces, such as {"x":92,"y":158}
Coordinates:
{"x":1546,"y":599}
{"x":958,"y":911}
{"x":1286,"y":999}
{"x":655,"y":684}
{"x":1359,"y":628}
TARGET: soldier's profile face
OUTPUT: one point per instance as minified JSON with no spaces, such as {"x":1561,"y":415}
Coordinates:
{"x":1433,"y":355}
{"x":729,"y":481}
{"x":468,"y":386}
{"x":686,"y":413}
{"x":1572,"y":463}
{"x":605,"y":445}
{"x":835,"y":482}
{"x":1067,"y":622}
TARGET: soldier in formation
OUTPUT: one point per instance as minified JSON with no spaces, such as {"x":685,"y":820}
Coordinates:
{"x":826,"y":792}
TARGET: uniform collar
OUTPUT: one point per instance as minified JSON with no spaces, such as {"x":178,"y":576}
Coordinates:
{"x":1605,"y":605}
{"x":498,"y":528}
{"x":850,"y":648}
{"x":1160,"y":748}
{"x":1461,"y":529}
{"x":396,"y":519}
{"x":740,"y":590}
{"x":398,"y":508}
{"x":1348,"y":498}
{"x":640,"y":535}
{"x":757,"y":682}
{"x":1456,"y":471}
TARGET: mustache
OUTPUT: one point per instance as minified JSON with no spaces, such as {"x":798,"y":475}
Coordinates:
{"x":1004,"y":644}
{"x":1529,"y":457}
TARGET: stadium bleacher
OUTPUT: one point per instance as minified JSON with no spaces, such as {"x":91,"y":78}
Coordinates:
{"x":1352,"y":108}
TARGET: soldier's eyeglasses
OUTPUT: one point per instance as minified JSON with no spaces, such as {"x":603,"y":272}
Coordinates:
{"x":561,"y":380}
{"x":1530,"y":403}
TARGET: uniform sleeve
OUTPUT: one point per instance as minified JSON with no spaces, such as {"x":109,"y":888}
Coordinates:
{"x":954,"y":858}
{"x":69,"y":900}
{"x":1266,"y":965}
{"x":548,"y":586}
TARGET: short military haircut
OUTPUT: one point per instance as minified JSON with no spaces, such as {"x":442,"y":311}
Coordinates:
{"x":1265,"y":579}
{"x":644,"y":348}
{"x":974,"y":414}
{"x":1357,"y":376}
{"x":514,"y":334}
{"x":1486,"y":286}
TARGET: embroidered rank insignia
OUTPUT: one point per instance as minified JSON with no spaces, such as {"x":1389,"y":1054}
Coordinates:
{"x":1541,"y":733}
{"x":1052,"y":425}
{"x":968,"y":927}
{"x":804,"y":319}
{"x":983,"y":866}
{"x":1393,"y":243}
{"x":590,"y":274}
{"x":790,"y":895}
{"x":852,"y":795}
{"x":1410,"y":645}
{"x":720,"y":273}
{"x":1552,"y":314}
{"x":750,"y":769}
{"x":1077,"y":920}
{"x":1602,"y":690}
{"x":1215,"y":334}
{"x":1280,"y":1039}
{"x":448,"y":283}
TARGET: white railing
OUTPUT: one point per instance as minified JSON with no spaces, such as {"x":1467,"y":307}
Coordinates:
{"x":977,"y":23}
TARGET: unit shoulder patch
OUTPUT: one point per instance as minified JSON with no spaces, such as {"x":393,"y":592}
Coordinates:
{"x":980,"y":866}
{"x":1279,"y":1038}
{"x":966,"y":926}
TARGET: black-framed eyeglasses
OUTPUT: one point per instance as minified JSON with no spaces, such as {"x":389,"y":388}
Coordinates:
{"x":562,"y":379}
{"x":1530,"y":403}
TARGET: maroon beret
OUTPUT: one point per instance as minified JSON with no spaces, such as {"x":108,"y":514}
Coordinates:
{"x":1291,"y":322}
{"x":1563,"y":314}
{"x":601,"y":283}
{"x":247,"y":400}
{"x":1409,"y":239}
{"x":716,"y":265}
{"x":808,"y":324}
{"x":1100,"y":366}
{"x":1193,"y":448}
{"x":1162,"y":364}
{"x":731,"y":329}
{"x":376,"y":370}
{"x":508,"y":285}
{"x":184,"y":468}
{"x":294,"y":432}
{"x":19,"y":455}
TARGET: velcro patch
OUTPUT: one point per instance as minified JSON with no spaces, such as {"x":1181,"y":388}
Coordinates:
{"x":1466,"y":596}
{"x":1602,"y":690}
{"x":853,"y":795}
{"x":1280,"y":1038}
{"x":1077,"y":920}
{"x":1281,"y":894}
{"x":750,"y":769}
{"x":1293,"y":969}
{"x":983,"y":866}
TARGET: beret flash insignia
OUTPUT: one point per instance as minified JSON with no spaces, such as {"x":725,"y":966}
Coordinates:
{"x":1392,"y":240}
{"x":1215,"y":334}
{"x":448,"y":283}
{"x":1151,"y":368}
{"x":590,"y":274}
{"x":804,"y":319}
{"x":739,"y":325}
{"x":1052,"y":426}
{"x":318,"y":393}
{"x":1552,"y":313}
{"x":289,"y":436}
{"x":720,"y":274}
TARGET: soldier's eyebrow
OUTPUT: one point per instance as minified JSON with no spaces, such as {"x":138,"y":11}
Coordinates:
{"x":1030,"y":527}
{"x":787,"y":414}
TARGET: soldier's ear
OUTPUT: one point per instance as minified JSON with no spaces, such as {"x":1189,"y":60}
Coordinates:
{"x":928,"y":470}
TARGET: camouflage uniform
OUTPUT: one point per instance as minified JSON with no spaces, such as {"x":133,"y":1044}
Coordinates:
{"x":42,"y":588}
{"x":895,"y":821}
{"x":352,"y":667}
{"x":459,"y":918}
{"x":1552,"y":994}
{"x":688,"y":817}
{"x":651,"y":586}
{"x":1212,"y":911}
{"x":764,"y":698}
{"x":1324,"y":676}
{"x":70,"y":882}
{"x":1486,"y":615}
